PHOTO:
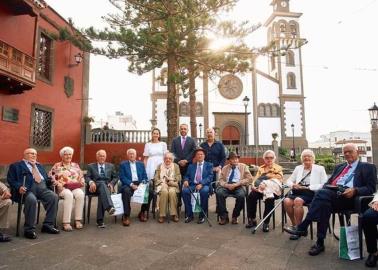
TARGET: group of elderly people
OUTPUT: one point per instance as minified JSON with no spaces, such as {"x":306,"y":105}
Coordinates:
{"x":185,"y":171}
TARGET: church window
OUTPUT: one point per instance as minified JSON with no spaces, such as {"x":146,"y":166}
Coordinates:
{"x":291,"y":84}
{"x":282,"y":27}
{"x":290,"y":58}
{"x":274,"y":110}
{"x":199,"y":109}
{"x":268,"y":111}
{"x":273,"y":62}
{"x":261,"y":110}
{"x":184,"y":109}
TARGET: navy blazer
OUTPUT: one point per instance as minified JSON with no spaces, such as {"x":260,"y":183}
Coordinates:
{"x":187,"y":152}
{"x":94,"y":175}
{"x":365,"y":177}
{"x":125,"y":173}
{"x":207,"y":174}
{"x":15,"y":178}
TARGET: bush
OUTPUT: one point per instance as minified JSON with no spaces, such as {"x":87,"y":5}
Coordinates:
{"x":283,"y":151}
{"x":327,"y":162}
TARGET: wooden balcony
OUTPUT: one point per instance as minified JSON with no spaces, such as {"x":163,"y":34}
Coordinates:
{"x":17,"y":69}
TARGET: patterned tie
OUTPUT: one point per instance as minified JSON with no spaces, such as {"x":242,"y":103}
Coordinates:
{"x":198,"y":173}
{"x":35,"y":173}
{"x":341,"y":175}
{"x":231,"y":175}
{"x":183,"y":142}
{"x":102,"y":172}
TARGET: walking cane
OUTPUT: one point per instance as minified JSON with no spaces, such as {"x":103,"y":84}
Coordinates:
{"x":19,"y":208}
{"x":203,"y":212}
{"x":272,"y":211}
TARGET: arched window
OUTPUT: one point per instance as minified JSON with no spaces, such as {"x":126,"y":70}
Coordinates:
{"x":199,"y":109}
{"x":261,"y":110}
{"x":273,"y":62}
{"x":268,"y":111}
{"x":291,"y":80}
{"x":275,"y":110}
{"x":282,"y":27}
{"x":231,"y":135}
{"x":290,"y":58}
{"x":184,"y":109}
{"x":294,"y":28}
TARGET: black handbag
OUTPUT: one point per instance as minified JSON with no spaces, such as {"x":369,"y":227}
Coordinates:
{"x":308,"y":192}
{"x":259,"y":180}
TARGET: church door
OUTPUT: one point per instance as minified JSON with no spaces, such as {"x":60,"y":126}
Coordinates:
{"x":231,"y":135}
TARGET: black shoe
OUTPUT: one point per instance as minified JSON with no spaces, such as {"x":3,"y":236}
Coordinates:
{"x":101,"y":225}
{"x":201,"y":220}
{"x":111,"y":210}
{"x":30,"y":234}
{"x":4,"y":237}
{"x":49,"y":229}
{"x":188,"y":219}
{"x":295,"y":231}
{"x":316,"y":250}
{"x":265,"y":227}
{"x":251,"y":223}
{"x":294,"y":237}
{"x":371,"y":261}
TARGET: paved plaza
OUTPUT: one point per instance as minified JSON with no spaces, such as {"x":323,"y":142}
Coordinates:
{"x":167,"y":246}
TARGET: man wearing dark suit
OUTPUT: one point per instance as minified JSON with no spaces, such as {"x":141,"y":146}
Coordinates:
{"x":356,"y":177}
{"x":183,"y":148}
{"x":101,"y":178}
{"x":131,"y":174}
{"x":198,"y":178}
{"x":35,"y":187}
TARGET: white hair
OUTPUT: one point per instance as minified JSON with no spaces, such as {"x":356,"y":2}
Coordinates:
{"x":99,"y":151}
{"x":66,"y":149}
{"x":352,"y":145}
{"x":308,"y":152}
{"x":269,"y":152}
{"x":130,"y":150}
{"x":169,"y":154}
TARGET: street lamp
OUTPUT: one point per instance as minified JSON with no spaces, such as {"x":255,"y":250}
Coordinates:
{"x":245,"y":102}
{"x":373,"y":111}
{"x":200,"y":129}
{"x":293,"y":147}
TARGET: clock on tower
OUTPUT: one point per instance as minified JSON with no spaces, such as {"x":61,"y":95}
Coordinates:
{"x":281,"y":5}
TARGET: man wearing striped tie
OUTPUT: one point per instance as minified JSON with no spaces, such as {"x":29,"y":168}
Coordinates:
{"x":232,"y":181}
{"x":349,"y":179}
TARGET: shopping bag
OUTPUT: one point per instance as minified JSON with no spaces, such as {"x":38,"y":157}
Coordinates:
{"x":196,"y":208}
{"x":141,"y":194}
{"x":349,"y":244}
{"x":118,"y":204}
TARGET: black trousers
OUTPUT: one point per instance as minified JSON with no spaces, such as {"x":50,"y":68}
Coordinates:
{"x":252,"y":199}
{"x":222,"y":194}
{"x":104,"y":200}
{"x":369,"y":226}
{"x":126,"y":198}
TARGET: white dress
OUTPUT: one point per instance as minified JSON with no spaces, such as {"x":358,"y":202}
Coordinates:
{"x":155,"y":153}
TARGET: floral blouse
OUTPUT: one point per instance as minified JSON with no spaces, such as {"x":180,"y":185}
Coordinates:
{"x":71,"y":176}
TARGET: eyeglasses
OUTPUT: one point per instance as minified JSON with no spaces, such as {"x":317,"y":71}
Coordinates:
{"x":31,"y":153}
{"x":269,"y":157}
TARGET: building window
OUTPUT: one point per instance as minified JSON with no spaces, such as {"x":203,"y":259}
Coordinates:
{"x":184,"y":109}
{"x":290,"y":58}
{"x":273,"y":62}
{"x":282,"y":27}
{"x":291,"y":81}
{"x":368,"y":148}
{"x":261,"y":110}
{"x":274,"y":110}
{"x":44,"y":57}
{"x":199,"y":109}
{"x":41,"y":127}
{"x":268,"y":111}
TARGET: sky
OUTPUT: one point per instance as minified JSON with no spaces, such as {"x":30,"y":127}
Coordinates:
{"x":340,"y":62}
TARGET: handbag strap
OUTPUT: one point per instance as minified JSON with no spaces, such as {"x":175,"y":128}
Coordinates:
{"x":300,"y":182}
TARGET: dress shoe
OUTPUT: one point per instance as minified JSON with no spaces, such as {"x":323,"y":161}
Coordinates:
{"x":4,"y":237}
{"x":201,"y":220}
{"x":251,"y":223}
{"x":30,"y":234}
{"x":175,"y":218}
{"x":101,"y":225}
{"x":223,"y":221}
{"x":371,"y":261}
{"x":126,"y":221}
{"x":316,"y":250}
{"x":265,"y":227}
{"x":161,"y":220}
{"x":294,"y":237}
{"x":295,"y":231}
{"x":145,"y":216}
{"x":111,"y":210}
{"x":141,"y":216}
{"x":188,"y":219}
{"x":234,"y":220}
{"x":49,"y":229}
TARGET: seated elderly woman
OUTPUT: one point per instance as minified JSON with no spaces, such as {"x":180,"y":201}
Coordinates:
{"x":305,"y":180}
{"x":267,"y":186}
{"x":69,"y":181}
{"x":167,"y":180}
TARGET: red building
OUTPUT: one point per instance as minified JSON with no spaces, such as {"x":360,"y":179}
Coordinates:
{"x":43,"y":84}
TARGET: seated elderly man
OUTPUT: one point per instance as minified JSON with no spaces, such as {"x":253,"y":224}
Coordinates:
{"x":349,"y":179}
{"x":234,"y":177}
{"x":5,"y":203}
{"x":369,"y":226}
{"x":198,"y":178}
{"x":101,"y":178}
{"x":29,"y":182}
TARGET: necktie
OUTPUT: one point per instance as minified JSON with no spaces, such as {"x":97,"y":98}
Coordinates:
{"x":342,"y":174}
{"x":102,"y":172}
{"x":198,"y":173}
{"x":183,"y":142}
{"x":35,"y":173}
{"x":231,"y":175}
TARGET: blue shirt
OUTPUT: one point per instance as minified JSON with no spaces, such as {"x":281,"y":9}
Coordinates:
{"x":30,"y":167}
{"x":215,"y":154}
{"x":347,"y":179}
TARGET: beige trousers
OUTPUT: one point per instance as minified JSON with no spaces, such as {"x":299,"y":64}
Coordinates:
{"x":68,"y":197}
{"x":4,"y":207}
{"x":167,"y":195}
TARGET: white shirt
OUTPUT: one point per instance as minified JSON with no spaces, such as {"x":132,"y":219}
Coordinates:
{"x":99,"y":167}
{"x":134,"y":174}
{"x":31,"y":168}
{"x":236,"y":178}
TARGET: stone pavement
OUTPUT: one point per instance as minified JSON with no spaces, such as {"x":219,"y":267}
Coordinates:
{"x":167,"y":246}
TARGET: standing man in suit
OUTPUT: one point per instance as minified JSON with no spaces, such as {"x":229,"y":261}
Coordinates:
{"x":101,"y":178}
{"x":35,"y":187}
{"x":132,"y":173}
{"x":183,"y":148}
{"x":350,"y":179}
{"x":232,"y":181}
{"x":198,"y":178}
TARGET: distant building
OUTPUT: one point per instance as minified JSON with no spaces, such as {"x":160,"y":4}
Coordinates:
{"x":118,"y":121}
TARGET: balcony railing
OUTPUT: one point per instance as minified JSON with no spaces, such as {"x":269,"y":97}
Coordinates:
{"x":119,"y":136}
{"x":18,"y":67}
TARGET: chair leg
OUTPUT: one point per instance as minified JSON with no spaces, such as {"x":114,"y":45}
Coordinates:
{"x":19,"y":209}
{"x":89,"y":208}
{"x":38,"y":210}
{"x":360,"y":236}
{"x":244,"y":212}
{"x":84,"y":212}
{"x":311,"y":231}
{"x":154,"y":200}
{"x":283,"y":218}
{"x":259,"y":208}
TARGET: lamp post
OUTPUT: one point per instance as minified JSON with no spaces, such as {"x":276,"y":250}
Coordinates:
{"x":293,"y":147}
{"x":245,"y":102}
{"x":373,"y":111}
{"x":200,"y":130}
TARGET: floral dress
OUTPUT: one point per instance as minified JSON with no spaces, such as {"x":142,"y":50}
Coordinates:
{"x":70,"y":177}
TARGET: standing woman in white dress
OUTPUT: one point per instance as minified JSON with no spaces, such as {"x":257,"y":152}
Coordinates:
{"x":153,"y":156}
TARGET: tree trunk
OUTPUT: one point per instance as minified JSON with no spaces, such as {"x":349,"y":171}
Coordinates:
{"x":192,"y":100}
{"x":172,"y":112}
